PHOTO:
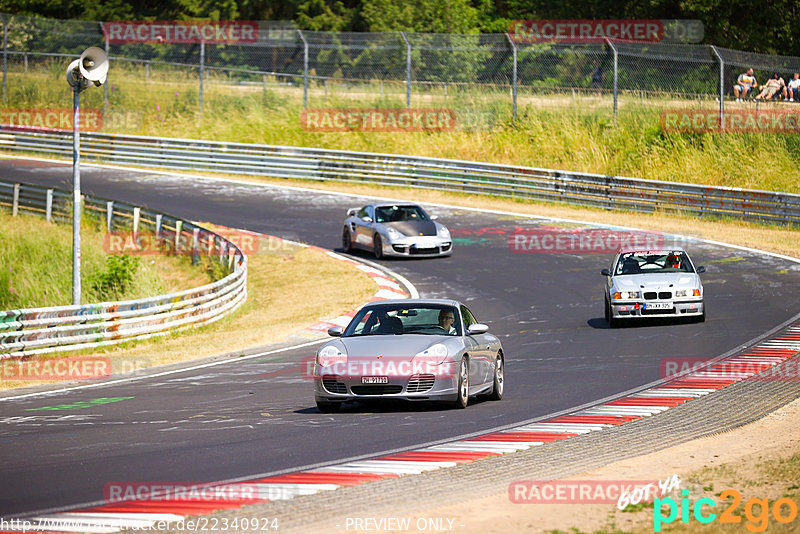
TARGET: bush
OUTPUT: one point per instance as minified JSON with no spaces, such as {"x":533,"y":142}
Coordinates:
{"x":119,"y":273}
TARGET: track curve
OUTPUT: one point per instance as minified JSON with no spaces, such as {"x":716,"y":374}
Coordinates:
{"x":233,"y":420}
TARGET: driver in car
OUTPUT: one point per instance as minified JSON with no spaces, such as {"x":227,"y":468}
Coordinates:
{"x":446,"y":320}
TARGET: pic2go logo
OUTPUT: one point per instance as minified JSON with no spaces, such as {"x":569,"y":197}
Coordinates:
{"x":784,"y":511}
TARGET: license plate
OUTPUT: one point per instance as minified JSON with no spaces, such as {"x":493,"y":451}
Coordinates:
{"x":374,"y":379}
{"x":658,"y":305}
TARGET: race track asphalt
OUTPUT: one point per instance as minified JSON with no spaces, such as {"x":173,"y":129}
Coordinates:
{"x":258,"y":416}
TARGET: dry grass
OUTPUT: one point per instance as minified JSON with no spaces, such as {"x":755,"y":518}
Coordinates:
{"x":288,"y":288}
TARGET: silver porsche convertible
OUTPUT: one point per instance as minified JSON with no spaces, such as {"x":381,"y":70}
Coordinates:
{"x":392,"y":229}
{"x":653,"y":283}
{"x":418,"y":350}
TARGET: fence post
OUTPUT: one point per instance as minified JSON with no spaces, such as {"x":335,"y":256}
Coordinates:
{"x":202,"y":69}
{"x":408,"y":70}
{"x":159,"y":217}
{"x":147,"y":72}
{"x":5,"y":54}
{"x":15,"y":201}
{"x":48,"y":210}
{"x":305,"y":68}
{"x":616,"y":73}
{"x":109,"y":215}
{"x":721,"y":87}
{"x":108,"y":52}
{"x":136,"y":216}
{"x":514,"y":74}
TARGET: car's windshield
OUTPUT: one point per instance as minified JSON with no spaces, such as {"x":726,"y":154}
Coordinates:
{"x":658,"y":261}
{"x":429,"y":319}
{"x":384,"y":214}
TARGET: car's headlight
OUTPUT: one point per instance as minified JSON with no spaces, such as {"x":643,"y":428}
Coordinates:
{"x":443,"y":232}
{"x":687,"y":293}
{"x":331,"y":355}
{"x":394,"y":234}
{"x":430,"y":361}
{"x":625,"y":295}
{"x":434,"y":351}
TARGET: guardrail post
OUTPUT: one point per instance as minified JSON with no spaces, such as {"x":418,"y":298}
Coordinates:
{"x":178,"y":226}
{"x":616,"y":72}
{"x":109,"y":215}
{"x":305,"y":68}
{"x":721,"y":86}
{"x":136,"y":215}
{"x":202,"y":69}
{"x":513,"y":74}
{"x":195,"y":255}
{"x":158,"y":224}
{"x":15,"y":201}
{"x":5,"y":54}
{"x":48,"y":209}
{"x":408,"y":70}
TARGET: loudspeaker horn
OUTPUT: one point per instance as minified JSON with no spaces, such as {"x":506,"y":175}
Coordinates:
{"x":94,"y":65}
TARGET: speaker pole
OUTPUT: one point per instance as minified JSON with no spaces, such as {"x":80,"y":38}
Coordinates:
{"x":76,"y":196}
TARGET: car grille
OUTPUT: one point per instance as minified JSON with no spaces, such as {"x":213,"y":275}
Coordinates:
{"x":434,"y":250}
{"x":420,"y":383}
{"x":333,"y":386}
{"x":376,"y":390}
{"x":652,"y":295}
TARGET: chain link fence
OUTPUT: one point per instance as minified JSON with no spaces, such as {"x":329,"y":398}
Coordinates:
{"x":395,"y":69}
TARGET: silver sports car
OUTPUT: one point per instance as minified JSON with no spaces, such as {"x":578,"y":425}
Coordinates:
{"x":392,"y":229}
{"x":409,"y":349}
{"x":647,"y":283}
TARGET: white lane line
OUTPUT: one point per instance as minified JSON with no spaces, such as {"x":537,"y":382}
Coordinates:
{"x":572,"y":428}
{"x":674,"y":392}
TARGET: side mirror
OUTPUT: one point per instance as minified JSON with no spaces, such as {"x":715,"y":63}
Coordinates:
{"x":701,"y":269}
{"x":477,"y":328}
{"x":366,"y":219}
{"x":605,"y":272}
{"x":335,"y":331}
{"x":352,"y":212}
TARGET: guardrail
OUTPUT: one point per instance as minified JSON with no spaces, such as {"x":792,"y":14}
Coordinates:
{"x":611,"y":192}
{"x":27,"y":332}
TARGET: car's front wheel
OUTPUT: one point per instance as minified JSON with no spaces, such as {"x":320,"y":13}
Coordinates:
{"x":377,"y":247}
{"x":462,"y":384}
{"x":612,"y":322}
{"x":499,"y":379}
{"x":347,"y":244}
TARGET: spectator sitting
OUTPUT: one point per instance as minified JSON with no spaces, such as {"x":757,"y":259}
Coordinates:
{"x":744,"y":83}
{"x":773,"y":85}
{"x":794,"y":85}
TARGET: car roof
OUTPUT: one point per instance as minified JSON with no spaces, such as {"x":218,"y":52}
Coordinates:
{"x":414,"y":302}
{"x":384,"y":204}
{"x":651,"y":250}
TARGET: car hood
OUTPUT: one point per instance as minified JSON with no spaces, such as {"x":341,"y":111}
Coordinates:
{"x":656,"y":280}
{"x":391,"y":346}
{"x":413,"y":228}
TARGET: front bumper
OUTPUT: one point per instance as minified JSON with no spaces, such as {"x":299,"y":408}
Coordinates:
{"x":419,"y":247}
{"x":666,"y":308}
{"x":421,"y":387}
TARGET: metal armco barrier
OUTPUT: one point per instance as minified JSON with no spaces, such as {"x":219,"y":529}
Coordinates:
{"x":611,"y":192}
{"x":63,"y":328}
